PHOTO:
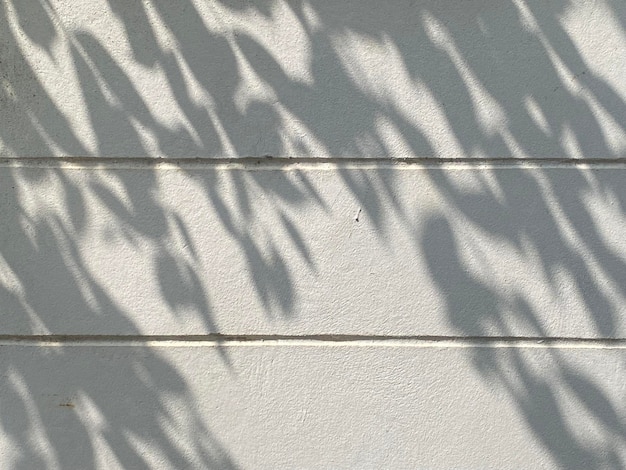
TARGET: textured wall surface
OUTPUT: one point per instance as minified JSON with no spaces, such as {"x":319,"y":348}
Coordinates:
{"x":330,"y":234}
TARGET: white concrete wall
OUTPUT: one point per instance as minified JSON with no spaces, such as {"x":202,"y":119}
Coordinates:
{"x":313,"y":234}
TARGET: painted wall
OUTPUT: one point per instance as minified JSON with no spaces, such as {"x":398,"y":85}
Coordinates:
{"x":313,"y":234}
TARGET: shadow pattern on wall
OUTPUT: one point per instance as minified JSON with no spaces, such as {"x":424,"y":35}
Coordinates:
{"x":484,"y":79}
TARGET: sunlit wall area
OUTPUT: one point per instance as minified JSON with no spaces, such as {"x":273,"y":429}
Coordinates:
{"x":404,"y":79}
{"x":312,"y":234}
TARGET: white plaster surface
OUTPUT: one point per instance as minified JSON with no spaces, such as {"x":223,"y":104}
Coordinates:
{"x":314,"y":78}
{"x":311,"y":406}
{"x":167,"y":303}
{"x":266,"y":250}
{"x":437,"y":251}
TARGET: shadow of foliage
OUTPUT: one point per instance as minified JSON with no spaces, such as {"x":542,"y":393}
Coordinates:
{"x":485,"y":79}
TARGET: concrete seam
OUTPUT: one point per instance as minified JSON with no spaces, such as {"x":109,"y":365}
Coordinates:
{"x":314,"y":340}
{"x":267,"y":163}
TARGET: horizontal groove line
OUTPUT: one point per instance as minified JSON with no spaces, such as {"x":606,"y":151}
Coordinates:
{"x":273,"y":163}
{"x":308,"y":340}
